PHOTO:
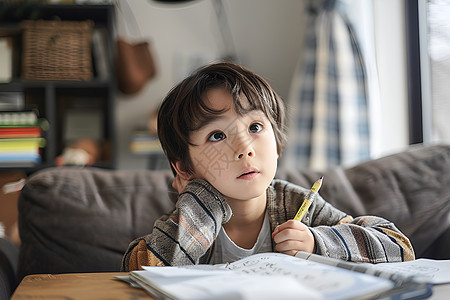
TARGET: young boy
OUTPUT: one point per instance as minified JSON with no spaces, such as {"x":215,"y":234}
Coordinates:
{"x":222,"y":129}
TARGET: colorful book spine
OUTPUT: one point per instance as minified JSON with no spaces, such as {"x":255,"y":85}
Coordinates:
{"x":145,"y":143}
{"x":21,"y":138}
{"x":20,"y":132}
{"x":21,"y":144}
{"x":18,"y":118}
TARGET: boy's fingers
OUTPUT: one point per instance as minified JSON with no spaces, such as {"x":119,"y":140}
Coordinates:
{"x":291,"y":224}
{"x":290,"y":234}
{"x":290,"y":245}
{"x":293,"y":236}
{"x":274,"y":233}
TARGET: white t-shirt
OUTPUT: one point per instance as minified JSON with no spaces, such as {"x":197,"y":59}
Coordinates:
{"x":225,"y":250}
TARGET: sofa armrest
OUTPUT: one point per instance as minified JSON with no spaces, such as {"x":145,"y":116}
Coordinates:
{"x":8,"y":267}
{"x":83,"y":219}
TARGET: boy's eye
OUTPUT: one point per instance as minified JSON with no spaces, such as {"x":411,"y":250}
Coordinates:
{"x":256,"y":127}
{"x":216,"y":136}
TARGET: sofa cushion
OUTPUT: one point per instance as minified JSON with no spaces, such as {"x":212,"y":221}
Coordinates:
{"x":82,"y":220}
{"x":410,"y":188}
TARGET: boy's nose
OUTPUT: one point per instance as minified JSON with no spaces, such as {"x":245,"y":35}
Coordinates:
{"x":244,"y":149}
{"x":241,"y":155}
{"x":242,"y":143}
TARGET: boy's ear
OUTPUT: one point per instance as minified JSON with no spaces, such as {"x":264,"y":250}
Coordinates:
{"x":179,"y":168}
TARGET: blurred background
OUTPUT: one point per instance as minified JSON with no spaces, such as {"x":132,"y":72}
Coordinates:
{"x":360,"y":78}
{"x":269,"y":38}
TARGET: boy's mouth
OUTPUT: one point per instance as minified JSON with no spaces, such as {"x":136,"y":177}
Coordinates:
{"x":248,"y":174}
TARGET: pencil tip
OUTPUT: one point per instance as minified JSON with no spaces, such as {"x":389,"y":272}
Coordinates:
{"x":321,"y":177}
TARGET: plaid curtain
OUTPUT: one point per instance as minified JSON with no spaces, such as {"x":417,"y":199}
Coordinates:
{"x":328,"y":111}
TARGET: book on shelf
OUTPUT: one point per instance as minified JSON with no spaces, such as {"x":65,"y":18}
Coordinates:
{"x":6,"y":59}
{"x":21,"y":144}
{"x":145,"y":143}
{"x":20,"y":132}
{"x":18,"y":118}
{"x":23,"y":152}
{"x":21,"y":157}
{"x":100,"y":52}
{"x":11,"y":101}
{"x":304,"y":276}
{"x":21,"y":138}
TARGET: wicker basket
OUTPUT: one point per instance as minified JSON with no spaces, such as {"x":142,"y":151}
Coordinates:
{"x":57,"y":50}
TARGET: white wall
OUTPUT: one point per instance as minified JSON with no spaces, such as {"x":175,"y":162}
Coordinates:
{"x":390,"y":40}
{"x":267,"y":36}
{"x":380,"y":26}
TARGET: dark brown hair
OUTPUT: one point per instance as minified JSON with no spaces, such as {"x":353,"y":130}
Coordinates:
{"x":183,"y":110}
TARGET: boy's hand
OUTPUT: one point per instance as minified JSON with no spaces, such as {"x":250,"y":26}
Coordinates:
{"x":293,"y":236}
{"x":179,"y":183}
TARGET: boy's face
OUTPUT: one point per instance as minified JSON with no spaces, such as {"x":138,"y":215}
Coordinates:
{"x":236,"y":154}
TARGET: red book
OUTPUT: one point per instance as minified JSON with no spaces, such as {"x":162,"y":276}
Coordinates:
{"x":20,"y":132}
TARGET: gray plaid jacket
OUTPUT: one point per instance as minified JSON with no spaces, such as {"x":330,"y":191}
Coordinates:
{"x":186,"y":236}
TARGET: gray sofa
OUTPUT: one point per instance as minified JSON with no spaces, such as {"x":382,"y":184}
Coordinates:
{"x":82,"y":219}
{"x":8,"y":267}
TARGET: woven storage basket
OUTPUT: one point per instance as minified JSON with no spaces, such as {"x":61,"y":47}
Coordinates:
{"x":57,"y":50}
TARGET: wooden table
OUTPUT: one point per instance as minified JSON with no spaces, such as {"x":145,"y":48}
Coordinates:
{"x":77,"y":286}
{"x":106,"y":286}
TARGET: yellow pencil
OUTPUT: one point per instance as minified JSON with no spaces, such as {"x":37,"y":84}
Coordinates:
{"x":308,"y":199}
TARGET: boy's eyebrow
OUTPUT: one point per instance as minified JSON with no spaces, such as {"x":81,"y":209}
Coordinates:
{"x":207,"y":120}
{"x":211,"y":118}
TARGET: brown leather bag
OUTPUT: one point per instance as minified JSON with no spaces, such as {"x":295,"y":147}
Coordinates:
{"x":134,"y":65}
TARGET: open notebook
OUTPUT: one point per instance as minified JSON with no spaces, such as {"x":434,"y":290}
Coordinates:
{"x":279,"y":276}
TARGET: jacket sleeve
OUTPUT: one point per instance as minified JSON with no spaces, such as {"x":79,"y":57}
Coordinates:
{"x":363,"y":239}
{"x":184,"y":236}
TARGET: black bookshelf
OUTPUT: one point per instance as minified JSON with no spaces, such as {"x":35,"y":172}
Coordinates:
{"x":56,"y":99}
